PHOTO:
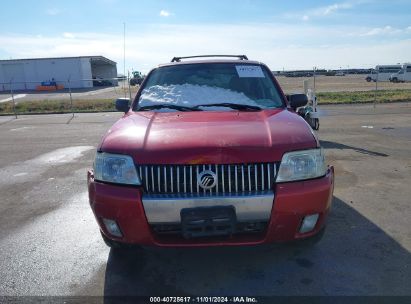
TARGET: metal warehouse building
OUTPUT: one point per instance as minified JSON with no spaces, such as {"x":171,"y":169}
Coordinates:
{"x":27,"y":74}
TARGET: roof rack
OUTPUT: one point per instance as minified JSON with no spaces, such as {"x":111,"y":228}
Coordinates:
{"x":178,"y":59}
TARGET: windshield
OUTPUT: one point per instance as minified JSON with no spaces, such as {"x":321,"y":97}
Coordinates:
{"x":210,"y":85}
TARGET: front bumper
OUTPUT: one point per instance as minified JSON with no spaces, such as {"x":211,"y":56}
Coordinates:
{"x":292,"y":201}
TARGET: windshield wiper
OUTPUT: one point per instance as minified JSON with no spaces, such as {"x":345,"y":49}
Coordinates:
{"x":169,"y":106}
{"x":234,"y":106}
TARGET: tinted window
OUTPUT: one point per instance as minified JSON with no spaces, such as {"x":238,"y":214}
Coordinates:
{"x":195,"y":84}
{"x":390,"y":70}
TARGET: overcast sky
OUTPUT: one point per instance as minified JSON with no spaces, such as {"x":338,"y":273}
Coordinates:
{"x":283,"y":34}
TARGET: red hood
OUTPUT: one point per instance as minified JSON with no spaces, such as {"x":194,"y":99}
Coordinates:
{"x":208,"y":137}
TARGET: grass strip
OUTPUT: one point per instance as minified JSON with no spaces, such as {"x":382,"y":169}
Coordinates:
{"x":58,"y":106}
{"x":382,"y":96}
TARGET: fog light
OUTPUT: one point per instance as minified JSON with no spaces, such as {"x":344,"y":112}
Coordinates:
{"x":309,"y":223}
{"x":112,"y":227}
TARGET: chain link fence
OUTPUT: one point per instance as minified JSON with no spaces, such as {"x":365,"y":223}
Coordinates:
{"x":63,"y":96}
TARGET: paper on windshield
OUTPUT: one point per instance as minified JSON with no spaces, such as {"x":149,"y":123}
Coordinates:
{"x":252,"y":71}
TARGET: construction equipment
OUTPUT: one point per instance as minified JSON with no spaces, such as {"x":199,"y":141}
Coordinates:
{"x":137,"y":78}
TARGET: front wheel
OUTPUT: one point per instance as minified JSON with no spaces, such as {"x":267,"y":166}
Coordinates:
{"x":368,"y":79}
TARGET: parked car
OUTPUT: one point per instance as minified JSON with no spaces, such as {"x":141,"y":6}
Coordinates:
{"x":340,"y":73}
{"x":210,"y":153}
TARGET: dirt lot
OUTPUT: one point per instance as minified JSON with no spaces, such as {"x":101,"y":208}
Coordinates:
{"x":337,"y":84}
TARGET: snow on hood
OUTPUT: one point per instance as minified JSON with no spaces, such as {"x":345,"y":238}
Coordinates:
{"x":191,"y":95}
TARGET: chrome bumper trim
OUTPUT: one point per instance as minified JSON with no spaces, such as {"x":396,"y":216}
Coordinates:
{"x":161,"y":209}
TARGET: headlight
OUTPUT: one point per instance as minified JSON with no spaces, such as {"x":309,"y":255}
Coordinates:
{"x":115,"y":168}
{"x":300,"y":165}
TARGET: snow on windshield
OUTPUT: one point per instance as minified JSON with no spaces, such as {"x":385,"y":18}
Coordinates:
{"x":190,"y":95}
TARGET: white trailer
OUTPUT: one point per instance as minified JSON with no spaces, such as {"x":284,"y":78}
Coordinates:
{"x":383,"y":72}
{"x":403,"y":75}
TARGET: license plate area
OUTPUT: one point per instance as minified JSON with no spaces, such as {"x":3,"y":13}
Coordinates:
{"x":208,"y":221}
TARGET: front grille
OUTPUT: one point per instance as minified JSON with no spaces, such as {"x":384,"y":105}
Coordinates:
{"x":232,"y":178}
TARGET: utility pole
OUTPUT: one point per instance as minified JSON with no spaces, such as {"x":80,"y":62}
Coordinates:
{"x":124,"y":60}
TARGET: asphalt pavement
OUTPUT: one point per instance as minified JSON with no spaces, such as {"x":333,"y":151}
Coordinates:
{"x":50,"y":243}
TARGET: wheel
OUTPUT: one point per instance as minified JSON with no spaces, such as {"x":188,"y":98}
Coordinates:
{"x":313,"y":122}
{"x":368,"y":79}
{"x":316,"y":124}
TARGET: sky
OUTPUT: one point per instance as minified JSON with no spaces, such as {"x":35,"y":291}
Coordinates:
{"x":283,"y":34}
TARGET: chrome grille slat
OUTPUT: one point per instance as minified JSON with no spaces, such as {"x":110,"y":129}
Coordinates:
{"x":236,"y":182}
{"x":230,"y":178}
{"x":249,"y":177}
{"x":152,"y":178}
{"x":165,"y":178}
{"x":146,"y":177}
{"x":262,"y":177}
{"x":172,"y":179}
{"x":242,"y":178}
{"x":178,"y":179}
{"x":185,"y":180}
{"x":255,"y":177}
{"x":222,"y":173}
{"x":159,"y":179}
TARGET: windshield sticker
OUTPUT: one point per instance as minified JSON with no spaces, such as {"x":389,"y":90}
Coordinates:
{"x":253,"y":71}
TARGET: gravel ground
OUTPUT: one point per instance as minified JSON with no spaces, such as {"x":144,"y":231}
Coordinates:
{"x":337,"y":84}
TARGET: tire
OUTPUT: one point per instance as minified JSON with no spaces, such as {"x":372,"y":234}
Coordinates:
{"x":368,"y":79}
{"x":313,"y":122}
{"x":316,"y":124}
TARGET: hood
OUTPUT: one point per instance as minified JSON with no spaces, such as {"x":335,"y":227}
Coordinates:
{"x":208,"y":137}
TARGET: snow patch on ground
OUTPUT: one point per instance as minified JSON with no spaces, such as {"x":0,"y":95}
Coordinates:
{"x":15,"y":97}
{"x":64,"y":155}
{"x":190,"y":95}
{"x":33,"y":168}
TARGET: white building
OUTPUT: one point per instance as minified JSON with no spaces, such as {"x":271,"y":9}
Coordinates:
{"x":27,"y":74}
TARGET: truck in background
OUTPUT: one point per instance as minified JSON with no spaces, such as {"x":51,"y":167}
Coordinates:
{"x":403,"y":75}
{"x":383,"y":72}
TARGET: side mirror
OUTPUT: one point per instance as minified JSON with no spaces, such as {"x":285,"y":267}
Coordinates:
{"x":123,"y":104}
{"x":297,"y":100}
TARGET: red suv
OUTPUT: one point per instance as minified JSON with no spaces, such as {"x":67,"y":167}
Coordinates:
{"x":210,"y":152}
